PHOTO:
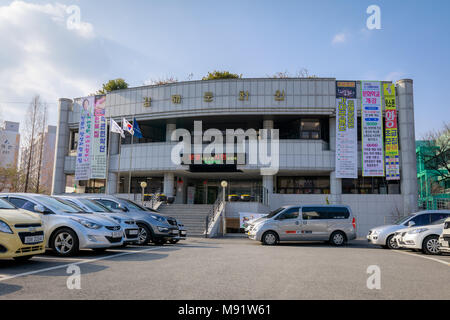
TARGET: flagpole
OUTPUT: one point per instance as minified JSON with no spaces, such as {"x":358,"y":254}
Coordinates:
{"x":107,"y":191}
{"x":118,"y":168}
{"x":129,"y":169}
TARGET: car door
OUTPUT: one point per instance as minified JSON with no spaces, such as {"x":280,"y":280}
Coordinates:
{"x":315,"y":223}
{"x":289,"y":224}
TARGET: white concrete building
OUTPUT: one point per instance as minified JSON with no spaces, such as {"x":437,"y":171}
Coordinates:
{"x":303,"y":109}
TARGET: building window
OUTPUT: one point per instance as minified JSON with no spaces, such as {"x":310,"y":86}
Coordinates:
{"x":370,"y":185}
{"x":310,"y":129}
{"x":73,"y":144}
{"x":303,"y":185}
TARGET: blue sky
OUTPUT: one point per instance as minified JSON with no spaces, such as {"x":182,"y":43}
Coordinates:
{"x":141,"y":40}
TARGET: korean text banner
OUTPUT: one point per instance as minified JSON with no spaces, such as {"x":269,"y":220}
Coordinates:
{"x":83,"y":161}
{"x":346,"y":139}
{"x":98,"y":163}
{"x":346,"y":89}
{"x":372,"y":129}
{"x":391,"y":132}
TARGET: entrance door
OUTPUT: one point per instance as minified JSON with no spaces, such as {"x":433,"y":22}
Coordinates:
{"x":213,"y":192}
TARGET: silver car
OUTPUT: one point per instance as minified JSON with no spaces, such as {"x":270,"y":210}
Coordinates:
{"x":129,"y":226}
{"x":66,"y":228}
{"x":153,"y":227}
{"x":384,"y":236}
{"x":333,"y":223}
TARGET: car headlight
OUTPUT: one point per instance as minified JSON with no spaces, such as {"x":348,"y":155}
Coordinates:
{"x":160,"y":219}
{"x":5,"y":228}
{"x":417,"y":231}
{"x":163,"y":229}
{"x":88,"y":224}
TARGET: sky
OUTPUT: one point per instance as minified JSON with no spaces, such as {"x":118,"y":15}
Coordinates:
{"x":144,"y":40}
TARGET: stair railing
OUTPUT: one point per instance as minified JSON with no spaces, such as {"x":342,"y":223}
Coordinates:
{"x":214,"y":214}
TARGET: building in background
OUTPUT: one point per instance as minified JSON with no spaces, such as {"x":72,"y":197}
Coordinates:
{"x":42,"y":161}
{"x":9,"y":154}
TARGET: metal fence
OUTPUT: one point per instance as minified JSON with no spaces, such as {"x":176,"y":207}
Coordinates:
{"x":434,"y":204}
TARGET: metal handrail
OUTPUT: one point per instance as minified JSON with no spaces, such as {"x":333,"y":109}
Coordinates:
{"x":210,"y":216}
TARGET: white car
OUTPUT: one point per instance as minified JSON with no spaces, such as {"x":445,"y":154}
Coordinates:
{"x":424,"y":238}
{"x":444,"y":239}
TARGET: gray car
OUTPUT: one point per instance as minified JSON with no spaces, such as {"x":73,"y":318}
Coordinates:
{"x":384,"y":235}
{"x":333,"y":223}
{"x":153,"y":227}
{"x":129,"y":226}
{"x":67,"y":229}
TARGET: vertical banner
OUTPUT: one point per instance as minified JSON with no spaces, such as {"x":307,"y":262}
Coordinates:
{"x":99,"y":154}
{"x":391,"y":133}
{"x":83,"y":162}
{"x":372,"y":129}
{"x":346,"y":130}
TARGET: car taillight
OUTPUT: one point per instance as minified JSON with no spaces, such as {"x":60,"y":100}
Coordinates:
{"x":354,"y":223}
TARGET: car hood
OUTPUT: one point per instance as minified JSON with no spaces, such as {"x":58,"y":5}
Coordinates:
{"x":388,"y":228}
{"x":95,"y":218}
{"x":19,"y":216}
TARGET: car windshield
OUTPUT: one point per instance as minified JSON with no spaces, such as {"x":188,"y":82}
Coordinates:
{"x":59,"y":205}
{"x":6,"y":205}
{"x":274,"y":213}
{"x":440,"y":221}
{"x":133,"y":206}
{"x":94,"y":206}
{"x":403,"y":219}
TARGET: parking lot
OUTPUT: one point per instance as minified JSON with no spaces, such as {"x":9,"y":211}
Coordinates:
{"x":230,"y":268}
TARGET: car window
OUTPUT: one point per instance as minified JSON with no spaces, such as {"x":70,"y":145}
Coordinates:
{"x":6,"y":205}
{"x":314,"y":213}
{"x":439,"y":216}
{"x":291,"y":213}
{"x":421,"y":219}
{"x":29,"y":206}
{"x":17,"y":202}
{"x":109,"y":204}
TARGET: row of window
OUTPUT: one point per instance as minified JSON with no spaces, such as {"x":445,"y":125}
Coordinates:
{"x":316,"y":213}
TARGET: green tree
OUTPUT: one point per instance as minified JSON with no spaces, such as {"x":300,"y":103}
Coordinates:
{"x":112,"y":85}
{"x":221,"y":75}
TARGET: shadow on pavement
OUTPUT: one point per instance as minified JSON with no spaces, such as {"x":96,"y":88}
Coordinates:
{"x":8,"y":288}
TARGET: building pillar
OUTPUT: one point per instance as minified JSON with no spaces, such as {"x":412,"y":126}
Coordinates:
{"x":170,"y":127}
{"x":112,"y":183}
{"x":62,"y":146}
{"x":408,"y":163}
{"x":267,"y":180}
{"x":335,"y":183}
{"x":168,"y":184}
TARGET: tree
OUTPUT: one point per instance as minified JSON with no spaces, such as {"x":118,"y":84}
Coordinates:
{"x":161,"y":81}
{"x":9,"y":179}
{"x":221,"y":75}
{"x":112,"y":85}
{"x":302,"y":73}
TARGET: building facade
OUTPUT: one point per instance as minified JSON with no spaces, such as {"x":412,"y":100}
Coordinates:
{"x":302,"y":109}
{"x":9,"y":154}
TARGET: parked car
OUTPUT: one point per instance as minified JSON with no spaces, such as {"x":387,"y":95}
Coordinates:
{"x":67,"y":229}
{"x":129,"y":226}
{"x":424,"y":238}
{"x":384,"y":235}
{"x":444,"y":239}
{"x":333,"y":223}
{"x":153,"y":227}
{"x":182,"y":232}
{"x":21,"y":233}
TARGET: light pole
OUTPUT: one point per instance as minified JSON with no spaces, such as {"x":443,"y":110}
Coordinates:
{"x":224,"y":184}
{"x":143,"y":186}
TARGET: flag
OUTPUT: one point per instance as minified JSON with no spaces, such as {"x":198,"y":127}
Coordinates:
{"x":114,"y":127}
{"x":137,"y":130}
{"x":126,"y":126}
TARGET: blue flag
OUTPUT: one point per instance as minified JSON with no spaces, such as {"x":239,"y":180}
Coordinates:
{"x":137,"y":130}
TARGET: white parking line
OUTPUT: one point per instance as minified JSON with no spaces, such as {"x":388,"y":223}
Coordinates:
{"x":124,"y":253}
{"x":424,"y":257}
{"x":57,"y":259}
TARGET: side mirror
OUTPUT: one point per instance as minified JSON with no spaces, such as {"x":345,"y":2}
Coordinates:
{"x":39,"y":208}
{"x":411,"y":224}
{"x":121,"y":207}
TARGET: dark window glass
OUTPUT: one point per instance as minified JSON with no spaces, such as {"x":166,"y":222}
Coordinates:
{"x":291,"y":213}
{"x":421,"y":220}
{"x":109,"y":204}
{"x":313,"y":213}
{"x":303,"y":185}
{"x":17,"y":202}
{"x":439,"y":216}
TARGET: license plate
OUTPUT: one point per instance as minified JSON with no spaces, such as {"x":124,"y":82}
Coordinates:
{"x":183,"y":232}
{"x":133,"y":232}
{"x":445,"y":243}
{"x":117,"y":234}
{"x":174,"y":231}
{"x":34,"y":239}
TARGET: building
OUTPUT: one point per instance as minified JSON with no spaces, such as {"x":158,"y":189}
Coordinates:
{"x":434,"y":190}
{"x":304,"y":111}
{"x":42,"y":161}
{"x":9,"y":152}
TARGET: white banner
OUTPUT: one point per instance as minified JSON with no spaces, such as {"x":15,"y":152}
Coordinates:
{"x":346,"y":139}
{"x":83,"y":161}
{"x":247,"y":216}
{"x":372,"y":129}
{"x":98,"y":161}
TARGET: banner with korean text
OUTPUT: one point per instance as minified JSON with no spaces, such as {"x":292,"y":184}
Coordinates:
{"x":99,"y":155}
{"x":391,"y":133}
{"x":83,"y":160}
{"x":346,"y":130}
{"x":372,"y":129}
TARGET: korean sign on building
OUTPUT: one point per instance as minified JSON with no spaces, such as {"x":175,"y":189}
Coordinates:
{"x":98,"y":161}
{"x":372,"y":129}
{"x":391,"y":133}
{"x":346,"y":130}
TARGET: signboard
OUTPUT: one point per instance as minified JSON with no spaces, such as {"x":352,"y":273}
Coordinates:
{"x":83,"y":161}
{"x":247,"y":216}
{"x":9,"y":145}
{"x":98,"y":161}
{"x":372,"y":129}
{"x":391,"y":133}
{"x":346,"y":130}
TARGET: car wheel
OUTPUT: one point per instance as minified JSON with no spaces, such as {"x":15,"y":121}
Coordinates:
{"x":65,"y":242}
{"x":270,"y":238}
{"x":391,"y":243}
{"x":173,"y":241}
{"x":144,"y":236}
{"x":338,"y":238}
{"x":431,"y":245}
{"x":22,"y":258}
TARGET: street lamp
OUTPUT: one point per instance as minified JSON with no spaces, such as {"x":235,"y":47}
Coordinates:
{"x":143,"y":186}
{"x":224,"y":184}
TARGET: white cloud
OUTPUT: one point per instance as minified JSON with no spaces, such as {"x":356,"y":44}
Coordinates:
{"x":339,"y":38}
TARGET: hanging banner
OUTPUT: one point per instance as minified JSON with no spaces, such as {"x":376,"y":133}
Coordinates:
{"x":346,"y":130}
{"x":391,"y":133}
{"x":83,"y":161}
{"x":99,"y":155}
{"x":372,"y":129}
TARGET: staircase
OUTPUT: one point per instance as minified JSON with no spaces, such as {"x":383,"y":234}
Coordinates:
{"x":193,"y":216}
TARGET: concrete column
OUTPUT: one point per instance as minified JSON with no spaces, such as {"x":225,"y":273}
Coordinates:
{"x":170,"y":127}
{"x":408,"y":169}
{"x":168,"y":184}
{"x":335,"y":189}
{"x":114,"y":143}
{"x":332,"y":133}
{"x":62,"y":146}
{"x":268,"y":183}
{"x":112,"y":183}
